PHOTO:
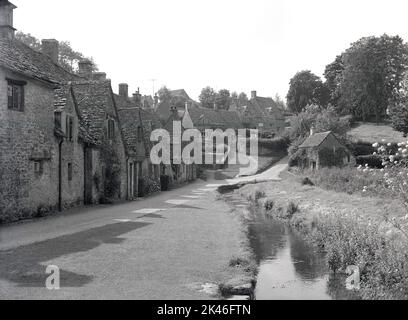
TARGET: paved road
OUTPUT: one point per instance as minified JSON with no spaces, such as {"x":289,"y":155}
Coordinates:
{"x":268,"y":175}
{"x":164,"y":247}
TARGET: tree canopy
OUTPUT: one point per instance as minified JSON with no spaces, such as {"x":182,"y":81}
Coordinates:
{"x":68,"y":58}
{"x":366,"y":78}
{"x":306,"y":88}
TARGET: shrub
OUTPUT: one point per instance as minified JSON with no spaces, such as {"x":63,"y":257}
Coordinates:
{"x":307,"y":182}
{"x":269,"y":204}
{"x":373,"y":161}
{"x":164,"y":182}
{"x":345,"y":179}
{"x":361,"y":148}
{"x":259,"y":195}
{"x":291,"y":209}
{"x":277,"y":145}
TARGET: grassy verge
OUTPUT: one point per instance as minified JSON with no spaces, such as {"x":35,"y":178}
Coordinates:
{"x":349,"y":228}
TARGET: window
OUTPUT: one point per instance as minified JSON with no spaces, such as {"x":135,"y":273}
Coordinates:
{"x":38,"y":168}
{"x":139,"y":134}
{"x":69,"y":171}
{"x":111,"y":129}
{"x":15,"y":94}
{"x":70,"y":128}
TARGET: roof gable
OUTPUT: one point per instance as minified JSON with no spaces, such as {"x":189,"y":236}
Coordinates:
{"x":19,"y":58}
{"x":316,"y":140}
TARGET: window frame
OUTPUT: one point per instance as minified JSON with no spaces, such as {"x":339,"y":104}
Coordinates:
{"x":15,"y":95}
{"x":69,"y":127}
{"x":111,"y":129}
{"x":70,"y":172}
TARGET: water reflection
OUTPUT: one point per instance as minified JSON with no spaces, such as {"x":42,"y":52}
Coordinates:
{"x":289,"y":268}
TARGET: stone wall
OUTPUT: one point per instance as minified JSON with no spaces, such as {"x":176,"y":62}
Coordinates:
{"x":22,"y":136}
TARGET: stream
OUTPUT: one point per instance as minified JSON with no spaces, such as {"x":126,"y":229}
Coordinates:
{"x":289,"y":267}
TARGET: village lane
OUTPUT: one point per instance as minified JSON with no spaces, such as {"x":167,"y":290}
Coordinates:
{"x":163,"y":247}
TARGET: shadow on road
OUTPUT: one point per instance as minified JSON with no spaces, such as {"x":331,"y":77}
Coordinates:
{"x":23,"y":265}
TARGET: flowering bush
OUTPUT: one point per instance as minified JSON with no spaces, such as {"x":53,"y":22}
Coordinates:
{"x":394,"y":177}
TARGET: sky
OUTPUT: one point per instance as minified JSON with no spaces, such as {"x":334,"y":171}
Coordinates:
{"x":240,"y":45}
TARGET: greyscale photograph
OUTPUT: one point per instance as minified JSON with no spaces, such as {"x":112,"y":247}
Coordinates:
{"x":184,"y":150}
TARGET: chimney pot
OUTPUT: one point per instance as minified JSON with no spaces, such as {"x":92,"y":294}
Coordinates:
{"x":6,"y":20}
{"x":50,"y":47}
{"x":85,"y":68}
{"x":124,"y":90}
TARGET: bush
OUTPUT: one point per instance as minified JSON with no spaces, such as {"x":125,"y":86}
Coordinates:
{"x":361,"y":148}
{"x":291,"y":209}
{"x":371,"y":160}
{"x":307,"y":182}
{"x":269,"y":205}
{"x":165,"y":182}
{"x":347,"y":180}
{"x":259,"y":195}
{"x":277,"y":145}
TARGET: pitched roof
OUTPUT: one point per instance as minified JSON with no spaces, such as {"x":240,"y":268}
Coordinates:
{"x":92,"y":99}
{"x":316,"y":140}
{"x":131,"y":118}
{"x":179,"y":93}
{"x":19,"y":58}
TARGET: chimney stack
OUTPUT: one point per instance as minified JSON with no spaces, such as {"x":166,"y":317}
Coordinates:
{"x":6,"y":20}
{"x":174,"y":111}
{"x":124,"y":90}
{"x":50,"y":47}
{"x":253,"y":94}
{"x":85,"y":68}
{"x":99,"y":76}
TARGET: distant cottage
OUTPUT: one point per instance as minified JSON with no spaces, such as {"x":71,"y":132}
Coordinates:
{"x":324,"y":150}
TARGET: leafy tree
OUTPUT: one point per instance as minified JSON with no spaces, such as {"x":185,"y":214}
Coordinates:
{"x":164,"y":94}
{"x":399,"y":110}
{"x":333,"y":75}
{"x":68,"y":58}
{"x":306,"y":88}
{"x":279,"y":102}
{"x":373,"y":70}
{"x":223,"y":99}
{"x":208,"y":97}
{"x":29,"y":40}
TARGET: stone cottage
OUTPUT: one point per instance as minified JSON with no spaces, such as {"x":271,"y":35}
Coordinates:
{"x":35,"y":175}
{"x":324,"y":150}
{"x":261,"y":113}
{"x":137,"y":125}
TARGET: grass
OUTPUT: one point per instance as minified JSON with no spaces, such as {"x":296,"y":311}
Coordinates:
{"x":349,"y":228}
{"x":370,"y":132}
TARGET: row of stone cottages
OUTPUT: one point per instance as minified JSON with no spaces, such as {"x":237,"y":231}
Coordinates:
{"x":65,"y":139}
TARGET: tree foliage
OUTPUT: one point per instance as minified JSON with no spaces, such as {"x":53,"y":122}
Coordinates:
{"x":207,"y":97}
{"x":306,"y":88}
{"x":399,"y":110}
{"x":366,"y":78}
{"x":68,"y":58}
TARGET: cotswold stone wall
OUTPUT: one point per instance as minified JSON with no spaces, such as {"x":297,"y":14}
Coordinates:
{"x":22,"y":136}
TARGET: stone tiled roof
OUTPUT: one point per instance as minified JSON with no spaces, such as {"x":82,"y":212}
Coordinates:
{"x":131,"y":118}
{"x":315,"y":140}
{"x":61,"y":95}
{"x":17,"y":57}
{"x":93,"y":99}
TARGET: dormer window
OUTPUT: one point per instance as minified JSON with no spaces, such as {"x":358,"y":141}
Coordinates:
{"x":15,"y":94}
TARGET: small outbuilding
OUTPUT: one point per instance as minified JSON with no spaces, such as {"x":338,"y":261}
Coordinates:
{"x":324,"y":150}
